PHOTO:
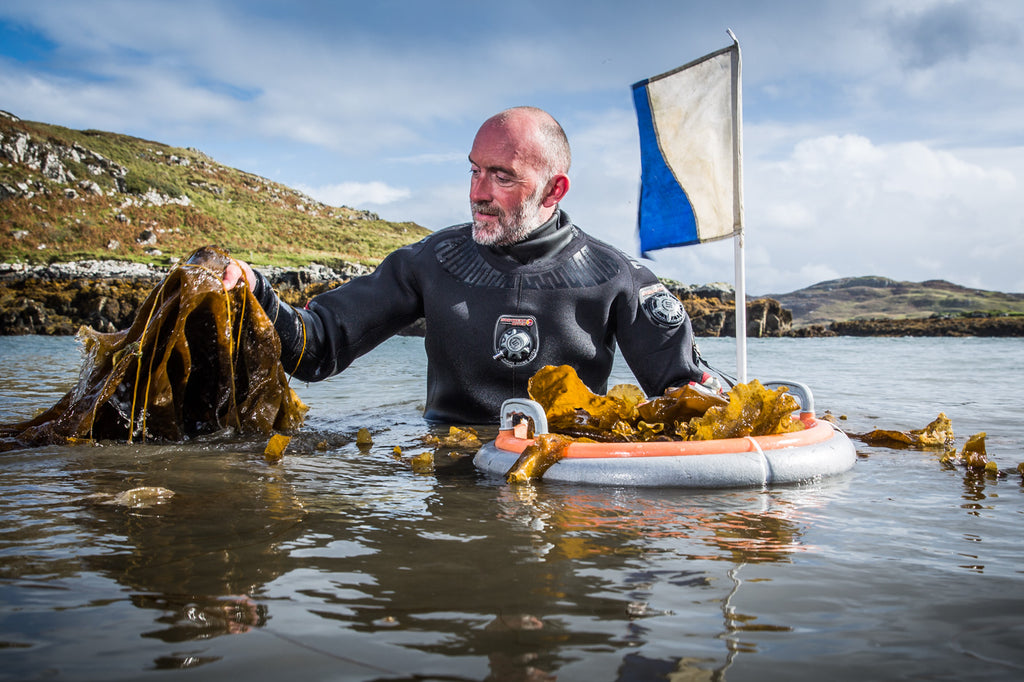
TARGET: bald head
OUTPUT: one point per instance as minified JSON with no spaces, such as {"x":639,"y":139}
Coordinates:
{"x":538,"y":135}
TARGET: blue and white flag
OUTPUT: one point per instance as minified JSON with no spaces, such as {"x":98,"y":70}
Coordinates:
{"x":691,"y":152}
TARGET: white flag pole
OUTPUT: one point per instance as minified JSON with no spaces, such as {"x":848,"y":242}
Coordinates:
{"x":740,"y":259}
{"x":741,"y":313}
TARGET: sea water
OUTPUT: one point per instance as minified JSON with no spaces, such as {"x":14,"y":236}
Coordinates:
{"x":342,"y":563}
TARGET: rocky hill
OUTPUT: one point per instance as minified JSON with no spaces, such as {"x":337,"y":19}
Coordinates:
{"x":70,"y":195}
{"x":880,"y":298}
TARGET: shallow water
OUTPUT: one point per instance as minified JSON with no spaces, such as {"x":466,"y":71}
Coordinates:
{"x":341,"y":563}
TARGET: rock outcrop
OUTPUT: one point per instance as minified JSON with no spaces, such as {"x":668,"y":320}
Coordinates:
{"x":54,"y":161}
{"x":57,"y":299}
{"x":978,"y":324}
{"x":712,"y":311}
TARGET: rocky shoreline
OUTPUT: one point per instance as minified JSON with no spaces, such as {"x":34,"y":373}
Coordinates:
{"x":58,"y":298}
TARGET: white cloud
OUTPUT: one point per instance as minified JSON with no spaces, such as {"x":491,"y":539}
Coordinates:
{"x":789,"y":216}
{"x":356,"y":194}
{"x":605,"y":175}
{"x":905,"y":210}
{"x":432,"y":158}
{"x":434,"y":206}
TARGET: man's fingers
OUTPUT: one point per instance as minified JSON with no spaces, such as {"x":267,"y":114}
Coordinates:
{"x":235,"y":271}
{"x":232,"y":273}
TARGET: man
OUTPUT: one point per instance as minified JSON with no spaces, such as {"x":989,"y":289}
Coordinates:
{"x":519,"y":288}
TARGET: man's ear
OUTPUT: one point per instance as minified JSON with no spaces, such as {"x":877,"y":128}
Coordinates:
{"x":558,"y":187}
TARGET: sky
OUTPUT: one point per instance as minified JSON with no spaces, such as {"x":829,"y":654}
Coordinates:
{"x":880,"y":137}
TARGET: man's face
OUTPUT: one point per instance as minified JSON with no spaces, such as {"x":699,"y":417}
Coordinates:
{"x":506,"y":192}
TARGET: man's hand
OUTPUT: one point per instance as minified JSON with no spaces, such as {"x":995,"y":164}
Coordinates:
{"x":234,"y":272}
{"x":711,"y":382}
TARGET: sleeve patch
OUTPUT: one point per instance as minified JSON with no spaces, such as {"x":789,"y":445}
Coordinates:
{"x":661,"y":307}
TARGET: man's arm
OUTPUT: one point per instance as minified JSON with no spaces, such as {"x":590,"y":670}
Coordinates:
{"x":656,"y":338}
{"x":339,"y":325}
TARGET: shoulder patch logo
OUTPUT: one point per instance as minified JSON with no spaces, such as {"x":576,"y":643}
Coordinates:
{"x":661,"y":306}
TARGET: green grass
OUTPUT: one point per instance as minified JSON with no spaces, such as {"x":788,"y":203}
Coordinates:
{"x":260,"y":220}
{"x":876,"y":298}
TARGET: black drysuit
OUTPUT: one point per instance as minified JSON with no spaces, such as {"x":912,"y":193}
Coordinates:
{"x":492,"y":321}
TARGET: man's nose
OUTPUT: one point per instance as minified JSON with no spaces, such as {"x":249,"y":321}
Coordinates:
{"x":479,"y":189}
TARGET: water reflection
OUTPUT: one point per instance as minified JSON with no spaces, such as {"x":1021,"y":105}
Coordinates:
{"x":200,"y":558}
{"x":452,"y":567}
{"x":753,"y":527}
{"x":738,"y":528}
{"x":529,"y":577}
{"x":451,"y":582}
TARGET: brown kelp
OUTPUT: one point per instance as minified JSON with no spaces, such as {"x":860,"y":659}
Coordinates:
{"x":624,"y":415}
{"x":681,"y":413}
{"x":197,"y":359}
{"x":937,"y":434}
{"x":538,"y":457}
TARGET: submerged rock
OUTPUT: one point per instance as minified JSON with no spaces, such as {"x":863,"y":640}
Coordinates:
{"x":134,"y":498}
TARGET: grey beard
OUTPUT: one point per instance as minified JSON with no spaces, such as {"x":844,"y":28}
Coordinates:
{"x":515,"y":226}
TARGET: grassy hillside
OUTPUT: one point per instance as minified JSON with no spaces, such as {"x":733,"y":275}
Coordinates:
{"x":859,"y":298}
{"x":70,"y":195}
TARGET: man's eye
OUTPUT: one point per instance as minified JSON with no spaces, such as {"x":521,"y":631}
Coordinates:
{"x":503,"y":179}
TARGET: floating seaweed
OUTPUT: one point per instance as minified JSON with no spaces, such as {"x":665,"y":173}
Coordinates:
{"x":458,"y":438}
{"x":196,"y":360}
{"x":275,"y":448}
{"x":572,"y":408}
{"x":937,"y":434}
{"x":973,"y":455}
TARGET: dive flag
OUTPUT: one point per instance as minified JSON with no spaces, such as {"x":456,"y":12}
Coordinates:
{"x":690,"y":152}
